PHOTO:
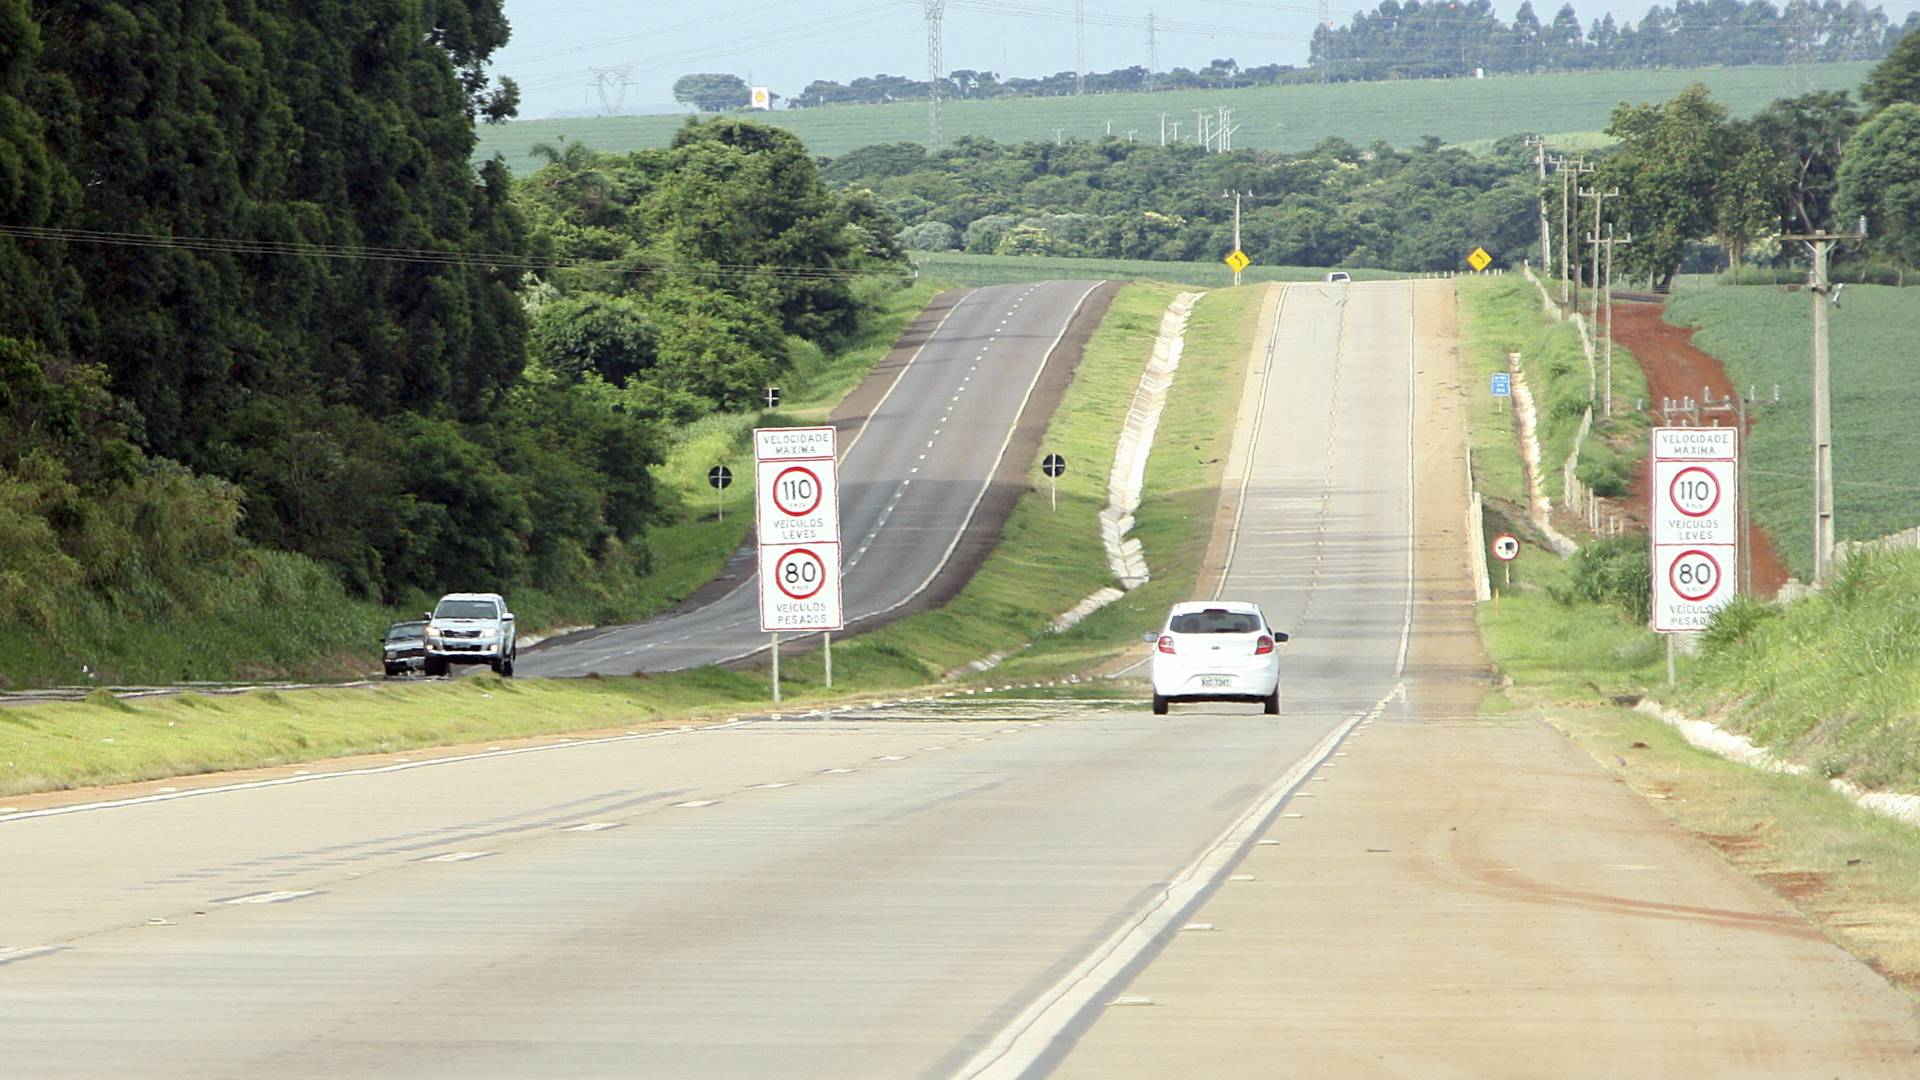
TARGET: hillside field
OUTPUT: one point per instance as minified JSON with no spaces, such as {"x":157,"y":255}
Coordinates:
{"x":1764,"y":336}
{"x":1285,"y":118}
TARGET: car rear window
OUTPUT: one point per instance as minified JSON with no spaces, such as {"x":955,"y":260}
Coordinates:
{"x":406,"y":631}
{"x":1216,"y":621}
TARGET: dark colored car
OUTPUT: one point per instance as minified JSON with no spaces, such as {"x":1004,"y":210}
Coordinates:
{"x":405,"y":648}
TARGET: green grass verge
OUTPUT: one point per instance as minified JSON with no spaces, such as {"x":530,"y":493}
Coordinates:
{"x":968,"y":269}
{"x":1047,"y":561}
{"x":1832,"y":682}
{"x":1501,"y":315}
{"x":1287,"y":118}
{"x":1764,"y":337}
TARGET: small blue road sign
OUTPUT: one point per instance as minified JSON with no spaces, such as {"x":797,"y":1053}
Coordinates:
{"x":1502,"y":384}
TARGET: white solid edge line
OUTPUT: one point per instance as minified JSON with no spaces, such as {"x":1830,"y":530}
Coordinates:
{"x":1019,"y":1045}
{"x":1413,"y":395}
{"x":279,"y":781}
{"x":966,"y":522}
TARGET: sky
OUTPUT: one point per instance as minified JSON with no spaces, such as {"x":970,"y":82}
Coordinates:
{"x":575,"y":57}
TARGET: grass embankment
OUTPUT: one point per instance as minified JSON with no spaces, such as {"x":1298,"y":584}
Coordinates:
{"x":1288,"y":118}
{"x":1764,"y":337}
{"x":965,"y":269}
{"x":1046,"y":562}
{"x":1572,"y":661}
{"x":1502,"y":315}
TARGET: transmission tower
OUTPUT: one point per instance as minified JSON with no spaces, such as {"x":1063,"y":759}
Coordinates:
{"x":1079,"y":47}
{"x":1153,"y":53}
{"x":936,"y":66}
{"x":612,"y":85}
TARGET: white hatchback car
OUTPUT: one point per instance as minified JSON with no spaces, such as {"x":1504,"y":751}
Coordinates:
{"x":1216,"y":650}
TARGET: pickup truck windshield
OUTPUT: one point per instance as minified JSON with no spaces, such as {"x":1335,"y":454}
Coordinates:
{"x":465,"y":609}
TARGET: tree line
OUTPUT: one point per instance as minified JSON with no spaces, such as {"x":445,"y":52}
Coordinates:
{"x":1418,"y":208}
{"x":1817,"y":162}
{"x":260,"y":300}
{"x":1415,"y":40}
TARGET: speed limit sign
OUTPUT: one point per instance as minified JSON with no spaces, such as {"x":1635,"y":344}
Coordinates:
{"x":1696,"y":525}
{"x":801,"y":587}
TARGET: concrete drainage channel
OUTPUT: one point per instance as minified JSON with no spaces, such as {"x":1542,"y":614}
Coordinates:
{"x":1717,"y":740}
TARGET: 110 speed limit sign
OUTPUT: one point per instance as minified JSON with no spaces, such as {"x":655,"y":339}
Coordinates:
{"x":1696,"y":525}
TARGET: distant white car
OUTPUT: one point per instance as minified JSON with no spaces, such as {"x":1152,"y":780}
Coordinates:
{"x":1338,"y":277}
{"x":1216,"y":650}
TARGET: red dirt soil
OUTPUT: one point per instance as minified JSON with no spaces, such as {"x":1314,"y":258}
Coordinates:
{"x":1676,"y":369}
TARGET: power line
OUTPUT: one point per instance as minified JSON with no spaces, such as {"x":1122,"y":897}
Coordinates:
{"x":215,"y":245}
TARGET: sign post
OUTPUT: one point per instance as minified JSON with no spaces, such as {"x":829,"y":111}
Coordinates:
{"x":1696,"y":528}
{"x":1506,"y":548}
{"x":797,"y":504}
{"x":720,"y":477}
{"x":1053,"y":466}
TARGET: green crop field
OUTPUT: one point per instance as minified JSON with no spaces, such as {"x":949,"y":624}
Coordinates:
{"x":959,"y":268}
{"x":1269,"y":117}
{"x":1764,"y":336}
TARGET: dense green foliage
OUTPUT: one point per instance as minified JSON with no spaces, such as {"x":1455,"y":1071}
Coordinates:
{"x":1613,"y":571}
{"x":1417,"y":209}
{"x":264,"y":338}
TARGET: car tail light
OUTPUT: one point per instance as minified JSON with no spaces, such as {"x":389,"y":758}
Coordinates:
{"x":1263,"y":646}
{"x":1166,"y":644}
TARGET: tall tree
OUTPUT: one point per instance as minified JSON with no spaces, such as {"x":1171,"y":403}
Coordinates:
{"x":712,"y":91}
{"x":1880,"y":180}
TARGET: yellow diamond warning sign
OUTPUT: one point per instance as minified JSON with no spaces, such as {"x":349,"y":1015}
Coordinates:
{"x":1237,"y":260}
{"x":1479,"y":260}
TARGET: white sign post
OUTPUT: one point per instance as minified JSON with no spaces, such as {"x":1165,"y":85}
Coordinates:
{"x":797,"y":499}
{"x":1696,"y":527}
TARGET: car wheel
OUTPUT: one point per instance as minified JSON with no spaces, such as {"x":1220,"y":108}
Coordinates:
{"x":393,"y":671}
{"x":506,"y":669}
{"x":1159,"y":705}
{"x":1272,"y":702}
{"x":435,"y":667}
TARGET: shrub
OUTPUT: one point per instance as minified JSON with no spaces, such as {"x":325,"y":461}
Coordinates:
{"x":1615,"y":571}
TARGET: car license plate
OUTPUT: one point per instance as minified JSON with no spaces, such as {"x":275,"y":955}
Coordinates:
{"x":1215,"y":680}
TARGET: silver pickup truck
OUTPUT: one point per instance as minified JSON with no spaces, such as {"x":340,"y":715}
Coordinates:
{"x":471,"y":628}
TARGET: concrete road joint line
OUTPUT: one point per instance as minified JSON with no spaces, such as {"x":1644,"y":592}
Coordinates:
{"x":375,"y":770}
{"x":593,"y":826}
{"x":695,"y":804}
{"x":458,"y":856}
{"x":279,"y":896}
{"x":1056,"y":1012}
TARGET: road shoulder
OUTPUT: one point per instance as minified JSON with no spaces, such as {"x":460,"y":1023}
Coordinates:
{"x":1460,"y":890}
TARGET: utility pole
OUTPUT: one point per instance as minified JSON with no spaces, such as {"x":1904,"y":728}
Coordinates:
{"x":1163,"y":129}
{"x":936,"y":10}
{"x":1823,"y":293}
{"x":1568,"y":168}
{"x":1599,"y":197}
{"x":1539,"y":144}
{"x":1079,"y":47}
{"x":1235,"y":196}
{"x":1606,"y":288}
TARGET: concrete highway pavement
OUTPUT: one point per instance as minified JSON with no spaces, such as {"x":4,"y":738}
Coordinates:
{"x":973,"y":887}
{"x":911,"y":478}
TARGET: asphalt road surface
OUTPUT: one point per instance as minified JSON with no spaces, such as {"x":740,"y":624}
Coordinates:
{"x":967,"y":887}
{"x":910,"y":481}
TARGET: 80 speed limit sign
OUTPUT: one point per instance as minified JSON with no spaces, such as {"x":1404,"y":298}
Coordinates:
{"x":801,"y":587}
